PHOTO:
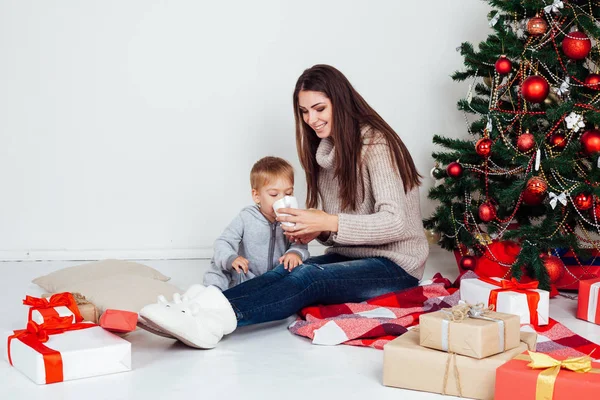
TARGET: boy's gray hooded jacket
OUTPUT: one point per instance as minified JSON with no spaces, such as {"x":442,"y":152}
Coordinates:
{"x":253,"y":237}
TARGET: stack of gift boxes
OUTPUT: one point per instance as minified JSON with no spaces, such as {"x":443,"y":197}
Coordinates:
{"x":471,"y":351}
{"x":63,"y":341}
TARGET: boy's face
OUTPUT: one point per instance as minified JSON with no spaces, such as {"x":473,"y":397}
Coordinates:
{"x":275,"y":189}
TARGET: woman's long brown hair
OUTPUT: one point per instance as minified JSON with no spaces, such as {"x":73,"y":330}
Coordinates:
{"x":350,"y":113}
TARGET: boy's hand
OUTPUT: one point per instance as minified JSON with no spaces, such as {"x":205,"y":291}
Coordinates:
{"x":290,"y":260}
{"x":240,"y":264}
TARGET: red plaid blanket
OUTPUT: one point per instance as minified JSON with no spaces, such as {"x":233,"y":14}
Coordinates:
{"x":375,"y":322}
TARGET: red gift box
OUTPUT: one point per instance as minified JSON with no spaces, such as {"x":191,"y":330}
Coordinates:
{"x":58,"y":305}
{"x":587,"y":302}
{"x":541,"y":377}
{"x":118,"y":321}
{"x":588,"y":269}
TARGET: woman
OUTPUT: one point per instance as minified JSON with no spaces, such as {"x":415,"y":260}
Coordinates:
{"x":363,"y":178}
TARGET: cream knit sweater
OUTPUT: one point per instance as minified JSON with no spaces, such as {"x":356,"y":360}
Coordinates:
{"x":387,"y":222}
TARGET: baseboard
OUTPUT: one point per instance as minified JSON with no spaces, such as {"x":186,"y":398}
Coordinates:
{"x":142,"y":254}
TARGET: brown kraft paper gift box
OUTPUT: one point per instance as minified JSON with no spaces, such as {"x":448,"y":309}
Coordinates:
{"x":408,"y":365}
{"x":88,"y":311}
{"x":472,"y":337}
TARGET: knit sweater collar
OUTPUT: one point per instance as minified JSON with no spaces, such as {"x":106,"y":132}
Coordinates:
{"x":326,"y":152}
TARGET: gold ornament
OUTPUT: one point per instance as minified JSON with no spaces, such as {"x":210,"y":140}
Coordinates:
{"x":483,"y":238}
{"x":433,"y":236}
{"x":488,"y":81}
{"x":552,"y":99}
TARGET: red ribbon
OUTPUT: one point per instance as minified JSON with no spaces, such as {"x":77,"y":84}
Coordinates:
{"x":533,"y":297}
{"x":35,"y":335}
{"x":46,"y":307}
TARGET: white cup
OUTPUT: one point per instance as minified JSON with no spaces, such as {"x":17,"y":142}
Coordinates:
{"x":285,"y":202}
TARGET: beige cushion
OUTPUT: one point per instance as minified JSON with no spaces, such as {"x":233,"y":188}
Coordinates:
{"x":64,"y":279}
{"x":122,"y":292}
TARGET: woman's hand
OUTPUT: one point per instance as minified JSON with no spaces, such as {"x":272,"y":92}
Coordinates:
{"x":308,"y":223}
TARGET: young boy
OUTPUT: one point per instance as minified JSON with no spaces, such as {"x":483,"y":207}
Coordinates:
{"x":254,"y":243}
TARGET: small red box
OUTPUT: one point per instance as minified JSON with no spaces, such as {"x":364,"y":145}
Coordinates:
{"x":118,"y":321}
{"x":587,"y":302}
{"x":515,"y":380}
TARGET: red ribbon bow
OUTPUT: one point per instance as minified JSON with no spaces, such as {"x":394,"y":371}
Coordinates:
{"x":533,"y":297}
{"x":56,"y":300}
{"x":514,"y":284}
{"x":35,"y":335}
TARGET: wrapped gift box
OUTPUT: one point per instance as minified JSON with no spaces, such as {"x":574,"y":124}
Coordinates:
{"x":73,"y":354}
{"x":408,"y":365}
{"x":87,"y":310}
{"x":587,"y":302}
{"x":580,"y":268}
{"x":517,"y":380}
{"x":119,"y":321}
{"x":57,"y":305}
{"x":514,"y":298}
{"x":473,"y":337}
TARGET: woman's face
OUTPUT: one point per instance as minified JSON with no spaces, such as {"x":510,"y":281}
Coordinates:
{"x":316,"y":111}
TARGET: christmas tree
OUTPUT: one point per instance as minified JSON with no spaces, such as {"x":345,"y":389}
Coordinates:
{"x":529,"y":172}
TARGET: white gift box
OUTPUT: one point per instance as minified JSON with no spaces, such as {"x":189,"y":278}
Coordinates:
{"x":475,"y":291}
{"x":60,"y":311}
{"x":85,"y":353}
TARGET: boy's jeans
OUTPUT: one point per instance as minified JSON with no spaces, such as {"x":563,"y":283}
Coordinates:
{"x":327,"y":279}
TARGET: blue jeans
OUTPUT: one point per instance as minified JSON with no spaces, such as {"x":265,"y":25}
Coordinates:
{"x":327,"y":279}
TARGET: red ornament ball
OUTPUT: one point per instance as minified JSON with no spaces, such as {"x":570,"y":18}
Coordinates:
{"x":592,"y":81}
{"x":554,"y":267}
{"x":537,"y":26}
{"x":487,"y":212}
{"x":454,"y":170}
{"x":558,"y":141}
{"x":535,"y":89}
{"x":484,"y":147}
{"x":590,"y":141}
{"x":525,"y":142}
{"x":583,"y":201}
{"x":576,"y":45}
{"x":535,"y":191}
{"x":468,"y":263}
{"x":503,"y":65}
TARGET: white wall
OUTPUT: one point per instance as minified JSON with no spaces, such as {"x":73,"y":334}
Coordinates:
{"x":128,"y":128}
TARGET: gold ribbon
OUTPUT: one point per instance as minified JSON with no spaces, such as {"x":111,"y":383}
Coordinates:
{"x":544,"y":389}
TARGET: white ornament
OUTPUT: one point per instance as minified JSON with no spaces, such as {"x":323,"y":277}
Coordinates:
{"x":564,"y":88}
{"x":554,"y":199}
{"x":575,"y":121}
{"x":495,"y":19}
{"x":554,"y":7}
{"x":538,"y":157}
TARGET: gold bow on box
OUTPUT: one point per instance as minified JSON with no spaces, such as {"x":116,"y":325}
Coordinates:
{"x":551,"y":368}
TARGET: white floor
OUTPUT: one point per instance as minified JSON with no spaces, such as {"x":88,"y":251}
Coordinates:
{"x":260,"y":362}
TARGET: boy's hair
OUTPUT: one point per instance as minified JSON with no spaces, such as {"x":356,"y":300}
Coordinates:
{"x":268,"y":168}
